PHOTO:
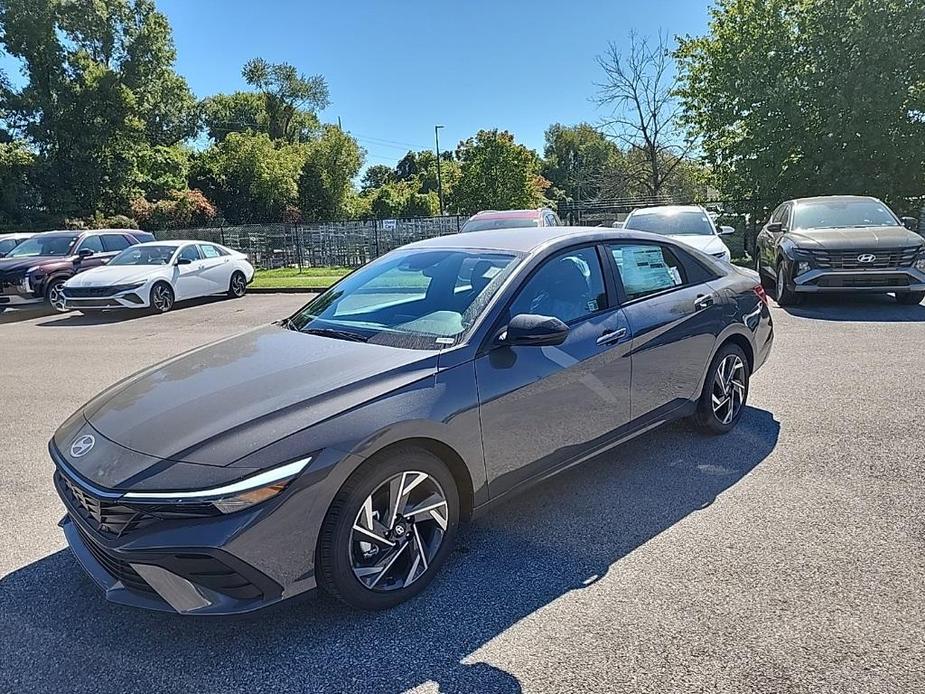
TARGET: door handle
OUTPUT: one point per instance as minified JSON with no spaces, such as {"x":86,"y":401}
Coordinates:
{"x":702,"y":302}
{"x":611,"y":336}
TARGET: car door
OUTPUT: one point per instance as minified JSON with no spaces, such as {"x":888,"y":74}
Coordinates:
{"x":94,"y":244}
{"x":216,"y":268}
{"x":674,"y":315}
{"x":188,"y":277}
{"x":768,"y":241}
{"x":544,"y":406}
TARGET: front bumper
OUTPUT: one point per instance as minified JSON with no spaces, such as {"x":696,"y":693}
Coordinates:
{"x":135,"y":298}
{"x":823,"y":281}
{"x":211,"y":565}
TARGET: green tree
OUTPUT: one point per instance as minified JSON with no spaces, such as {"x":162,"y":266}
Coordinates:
{"x":100,"y":89}
{"x":376,"y":176}
{"x":579,"y":161}
{"x":326,"y":180}
{"x":251,"y":178}
{"x":496,"y":173}
{"x":241,"y":112}
{"x":812,"y":97}
{"x":287,"y":95}
{"x":18,"y":197}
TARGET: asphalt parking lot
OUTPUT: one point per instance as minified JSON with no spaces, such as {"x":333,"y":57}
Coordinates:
{"x":788,"y":556}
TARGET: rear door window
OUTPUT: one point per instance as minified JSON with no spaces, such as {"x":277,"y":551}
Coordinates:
{"x":114,"y":242}
{"x":647,"y":268}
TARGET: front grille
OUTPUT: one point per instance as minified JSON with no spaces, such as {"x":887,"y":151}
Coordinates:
{"x":88,"y":292}
{"x":107,"y":517}
{"x":862,"y":282}
{"x":116,"y":567}
{"x":849,"y":260}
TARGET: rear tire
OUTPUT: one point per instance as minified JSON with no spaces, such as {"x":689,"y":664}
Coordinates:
{"x":910,"y":298}
{"x":237,"y":287}
{"x":725,"y":391}
{"x":350,"y":568}
{"x":162,"y":297}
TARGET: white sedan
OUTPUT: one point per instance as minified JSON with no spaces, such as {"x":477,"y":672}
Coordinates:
{"x":690,"y":224}
{"x":157,"y":274}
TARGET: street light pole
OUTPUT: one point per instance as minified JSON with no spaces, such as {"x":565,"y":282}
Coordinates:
{"x":439,"y":179}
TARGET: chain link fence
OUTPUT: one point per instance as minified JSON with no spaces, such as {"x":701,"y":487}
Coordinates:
{"x":340,"y":244}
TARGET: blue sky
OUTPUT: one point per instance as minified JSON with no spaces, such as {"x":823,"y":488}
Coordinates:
{"x":395,"y":68}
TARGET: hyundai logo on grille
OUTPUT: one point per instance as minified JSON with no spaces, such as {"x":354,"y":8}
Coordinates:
{"x":82,"y":445}
{"x":866,"y":258}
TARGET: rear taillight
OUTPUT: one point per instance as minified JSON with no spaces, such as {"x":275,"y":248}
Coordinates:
{"x":761,"y":294}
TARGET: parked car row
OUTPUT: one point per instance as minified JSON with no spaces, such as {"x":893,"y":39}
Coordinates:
{"x":819,"y":245}
{"x":117,"y":269}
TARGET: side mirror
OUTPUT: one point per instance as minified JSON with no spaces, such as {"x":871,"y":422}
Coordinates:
{"x":84,"y":253}
{"x":911,"y":223}
{"x":183,"y":261}
{"x":727,"y":231}
{"x":774,"y":227}
{"x":531,"y":330}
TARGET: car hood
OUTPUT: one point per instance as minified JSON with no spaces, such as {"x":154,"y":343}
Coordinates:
{"x":219,"y":403}
{"x":707,"y":243}
{"x":856,"y":238}
{"x":110,"y":275}
{"x":17,"y":267}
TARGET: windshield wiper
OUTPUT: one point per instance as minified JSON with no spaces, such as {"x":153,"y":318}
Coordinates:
{"x":287,"y":324}
{"x":337,"y":334}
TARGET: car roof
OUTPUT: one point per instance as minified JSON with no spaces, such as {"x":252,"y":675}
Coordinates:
{"x":529,"y":239}
{"x":17,"y":235}
{"x":91,"y":232}
{"x":508,"y":214}
{"x":668,"y":208}
{"x":175,"y":243}
{"x":845,"y":198}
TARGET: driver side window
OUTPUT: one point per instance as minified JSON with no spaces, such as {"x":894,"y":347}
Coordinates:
{"x":190,"y":253}
{"x":569,"y":286}
{"x":91,"y":243}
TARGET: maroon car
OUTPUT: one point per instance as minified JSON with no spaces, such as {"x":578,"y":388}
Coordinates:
{"x":36,"y":269}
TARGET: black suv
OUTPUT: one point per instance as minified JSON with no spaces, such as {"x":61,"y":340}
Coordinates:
{"x":35,"y":270}
{"x":841,"y":243}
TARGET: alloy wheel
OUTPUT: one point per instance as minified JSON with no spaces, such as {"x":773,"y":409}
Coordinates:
{"x":728,"y":388}
{"x":162,"y":298}
{"x":56,"y":297}
{"x":238,"y":284}
{"x":398,"y":531}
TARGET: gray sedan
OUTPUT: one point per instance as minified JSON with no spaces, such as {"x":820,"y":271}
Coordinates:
{"x":342,"y":446}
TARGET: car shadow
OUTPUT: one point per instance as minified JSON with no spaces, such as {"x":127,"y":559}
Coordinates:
{"x":561,"y":536}
{"x":78,"y":319}
{"x":874,"y":308}
{"x":18,"y":315}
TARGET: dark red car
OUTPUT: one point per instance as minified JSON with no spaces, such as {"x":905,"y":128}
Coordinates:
{"x":36,"y":269}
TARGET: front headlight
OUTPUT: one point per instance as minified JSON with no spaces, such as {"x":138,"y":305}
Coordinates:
{"x":235,"y":496}
{"x":920,"y":261}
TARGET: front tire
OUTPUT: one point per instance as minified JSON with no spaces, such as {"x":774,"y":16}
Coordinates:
{"x":54,"y":296}
{"x":910,"y":298}
{"x":725,"y":391}
{"x":162,"y":297}
{"x":389,"y":530}
{"x":785,"y":295}
{"x":237,"y":287}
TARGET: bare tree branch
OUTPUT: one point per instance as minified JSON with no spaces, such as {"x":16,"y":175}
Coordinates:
{"x":639,"y":91}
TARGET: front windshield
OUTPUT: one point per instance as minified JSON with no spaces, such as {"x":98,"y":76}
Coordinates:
{"x":43,"y":245}
{"x":836,"y":214}
{"x":144,"y":255}
{"x":421,"y":299}
{"x":504,"y":223}
{"x":671,"y":222}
